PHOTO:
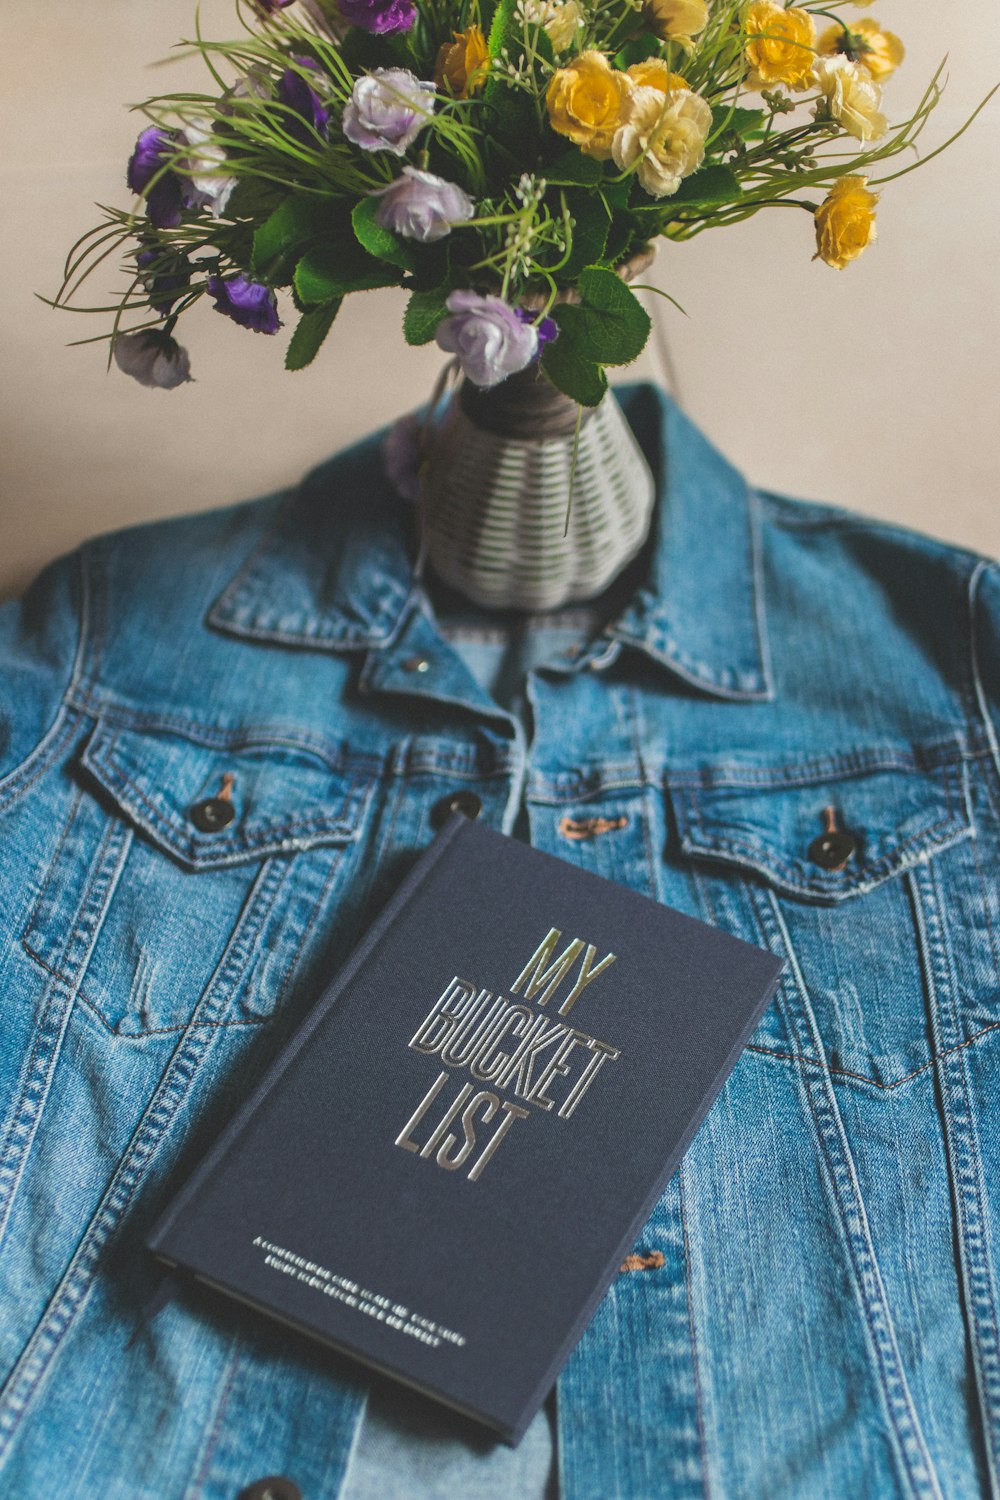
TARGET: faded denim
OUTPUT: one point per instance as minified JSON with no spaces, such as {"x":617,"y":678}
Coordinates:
{"x":824,"y":1323}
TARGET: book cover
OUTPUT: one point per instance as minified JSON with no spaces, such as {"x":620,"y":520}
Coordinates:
{"x":443,"y":1169}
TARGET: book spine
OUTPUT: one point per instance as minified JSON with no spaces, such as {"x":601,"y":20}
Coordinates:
{"x":399,"y":900}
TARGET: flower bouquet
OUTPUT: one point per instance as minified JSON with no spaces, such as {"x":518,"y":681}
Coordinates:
{"x":499,"y":159}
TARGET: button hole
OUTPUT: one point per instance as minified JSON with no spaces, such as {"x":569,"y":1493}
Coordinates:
{"x":588,"y":828}
{"x":651,"y":1262}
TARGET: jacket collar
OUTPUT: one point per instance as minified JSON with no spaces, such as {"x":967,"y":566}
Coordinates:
{"x":336,"y":573}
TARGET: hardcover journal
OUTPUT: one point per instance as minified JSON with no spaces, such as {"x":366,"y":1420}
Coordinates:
{"x":443,"y":1169}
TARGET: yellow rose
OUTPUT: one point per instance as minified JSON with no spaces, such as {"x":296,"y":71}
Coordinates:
{"x":663,"y":137}
{"x":780,"y":45}
{"x":850,"y":96}
{"x":677,"y":20}
{"x":587,"y":101}
{"x":461,"y":65}
{"x":865,"y":42}
{"x":845,"y":222}
{"x":654,"y":74}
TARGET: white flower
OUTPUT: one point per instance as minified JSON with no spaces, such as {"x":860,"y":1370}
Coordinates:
{"x":665,"y":134}
{"x":422,"y":206}
{"x":205,"y":185}
{"x":850,"y":96}
{"x":153,"y":358}
{"x":561,"y":19}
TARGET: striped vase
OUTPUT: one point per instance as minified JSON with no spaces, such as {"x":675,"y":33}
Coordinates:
{"x":496,"y":494}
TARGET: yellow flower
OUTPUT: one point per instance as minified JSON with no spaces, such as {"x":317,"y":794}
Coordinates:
{"x":587,"y":101}
{"x":865,"y":42}
{"x":461,"y":65}
{"x":654,"y":74}
{"x":677,"y":20}
{"x":780,"y":45}
{"x":845,"y":222}
{"x":850,"y":96}
{"x":663,"y":137}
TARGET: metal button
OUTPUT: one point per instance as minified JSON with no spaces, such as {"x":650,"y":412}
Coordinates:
{"x":831,"y":851}
{"x":212,"y":815}
{"x":274,"y":1487}
{"x":415,"y":664}
{"x":462,"y":801}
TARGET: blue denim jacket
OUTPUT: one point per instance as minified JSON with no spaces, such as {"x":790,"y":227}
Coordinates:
{"x":816,"y":1312}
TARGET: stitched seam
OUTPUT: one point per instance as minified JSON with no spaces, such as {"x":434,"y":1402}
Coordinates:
{"x":38,"y":761}
{"x":977,"y":681}
{"x":72,"y":1290}
{"x":33,"y":923}
{"x":698,"y":1398}
{"x":213,"y":1436}
{"x":801,"y":1057}
{"x":940,"y":755}
{"x":761,"y":855}
{"x":962,"y":1153}
{"x":869,"y":1285}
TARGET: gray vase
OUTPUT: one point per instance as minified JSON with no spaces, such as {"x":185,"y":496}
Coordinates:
{"x":496,"y":493}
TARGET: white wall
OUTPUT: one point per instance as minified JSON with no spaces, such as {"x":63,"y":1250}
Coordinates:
{"x":876,"y":387}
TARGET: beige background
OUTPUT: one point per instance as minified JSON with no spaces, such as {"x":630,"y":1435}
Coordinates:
{"x":876,"y":387}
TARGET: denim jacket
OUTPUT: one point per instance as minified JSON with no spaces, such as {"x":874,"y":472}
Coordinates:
{"x":788,"y":728}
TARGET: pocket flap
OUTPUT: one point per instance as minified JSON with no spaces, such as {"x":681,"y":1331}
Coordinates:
{"x":896,"y":807}
{"x":276,"y":798}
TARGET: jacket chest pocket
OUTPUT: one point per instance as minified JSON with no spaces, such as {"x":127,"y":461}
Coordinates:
{"x":187,"y":876}
{"x":813,"y":857}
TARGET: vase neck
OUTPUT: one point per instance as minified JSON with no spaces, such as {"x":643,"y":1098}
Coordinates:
{"x":525,"y":407}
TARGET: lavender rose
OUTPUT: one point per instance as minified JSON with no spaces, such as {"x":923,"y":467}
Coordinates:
{"x":491,"y":341}
{"x":387,"y":110}
{"x":379,"y":15}
{"x":304,"y":101}
{"x":153,"y":358}
{"x":249,"y":303}
{"x":165,"y":199}
{"x":421,"y":206}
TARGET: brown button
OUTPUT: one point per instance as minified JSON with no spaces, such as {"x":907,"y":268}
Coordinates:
{"x":462,"y":801}
{"x":831,"y":851}
{"x":274,"y":1487}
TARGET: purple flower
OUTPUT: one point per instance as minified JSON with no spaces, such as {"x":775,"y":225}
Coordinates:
{"x":379,"y":15}
{"x":420,"y":206}
{"x":268,"y":7}
{"x":163,"y":275}
{"x":547,"y":329}
{"x":387,"y":110}
{"x":249,"y":303}
{"x":491,"y":341}
{"x":304,"y":101}
{"x":153,"y":358}
{"x":165,"y":198}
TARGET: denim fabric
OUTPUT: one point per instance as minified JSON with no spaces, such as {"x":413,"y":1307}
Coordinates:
{"x":824,"y":1322}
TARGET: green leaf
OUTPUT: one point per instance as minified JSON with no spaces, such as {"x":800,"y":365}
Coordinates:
{"x":510,"y":116}
{"x":579,"y":378}
{"x":253,"y":198}
{"x":712,"y":185}
{"x":327,"y":272}
{"x":741,"y":122}
{"x":291,"y":228}
{"x":637,"y":49}
{"x":590,"y":232}
{"x":309,"y":334}
{"x":573,"y":166}
{"x":376,"y":239}
{"x":424,"y":312}
{"x":609,"y":326}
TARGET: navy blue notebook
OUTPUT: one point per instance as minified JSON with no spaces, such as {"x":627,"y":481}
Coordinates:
{"x":444,"y":1168}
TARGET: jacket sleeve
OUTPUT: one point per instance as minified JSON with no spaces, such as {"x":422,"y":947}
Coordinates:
{"x":985,"y":630}
{"x":40,"y":638}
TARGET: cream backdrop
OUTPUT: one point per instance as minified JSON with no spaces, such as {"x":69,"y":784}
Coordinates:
{"x":876,"y":387}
